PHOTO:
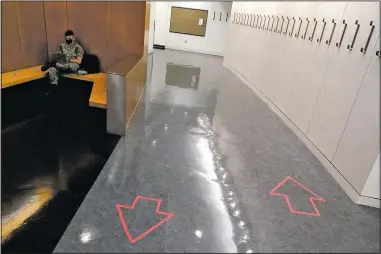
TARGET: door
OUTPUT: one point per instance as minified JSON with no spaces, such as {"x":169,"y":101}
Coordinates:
{"x":344,"y":75}
{"x":360,"y":143}
{"x":313,"y":60}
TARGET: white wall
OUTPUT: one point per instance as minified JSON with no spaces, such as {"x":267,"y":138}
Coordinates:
{"x":372,"y":185}
{"x":330,"y":94}
{"x":216,"y":31}
{"x":151,"y":26}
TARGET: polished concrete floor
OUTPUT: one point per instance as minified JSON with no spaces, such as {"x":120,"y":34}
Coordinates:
{"x":206,"y":166}
{"x":50,"y":159}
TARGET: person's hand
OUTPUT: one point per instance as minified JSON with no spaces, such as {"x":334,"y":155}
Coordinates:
{"x":77,"y":60}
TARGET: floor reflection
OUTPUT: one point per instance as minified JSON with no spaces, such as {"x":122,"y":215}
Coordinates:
{"x":184,"y":100}
{"x":48,"y":166}
{"x":182,"y":76}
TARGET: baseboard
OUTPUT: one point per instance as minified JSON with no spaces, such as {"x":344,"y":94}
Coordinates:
{"x":157,"y":46}
{"x":150,"y":51}
{"x":367,"y":201}
{"x":349,"y":190}
{"x":196,"y":51}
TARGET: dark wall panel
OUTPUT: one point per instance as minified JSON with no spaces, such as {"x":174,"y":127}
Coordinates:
{"x":125,"y":30}
{"x":56,"y":23}
{"x":31,"y":22}
{"x":116,"y":34}
{"x":88,"y":21}
{"x":135,"y":15}
{"x":10,"y":41}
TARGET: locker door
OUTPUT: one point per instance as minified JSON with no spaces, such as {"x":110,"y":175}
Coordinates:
{"x":293,"y":57}
{"x":344,"y":76}
{"x":359,"y":145}
{"x":231,"y":56}
{"x":281,"y":53}
{"x":254,"y":45}
{"x":270,"y":54}
{"x":225,"y":17}
{"x":216,"y":28}
{"x":313,"y":64}
{"x":241,"y":45}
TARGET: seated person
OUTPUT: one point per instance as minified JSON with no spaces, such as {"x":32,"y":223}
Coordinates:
{"x":74,"y":54}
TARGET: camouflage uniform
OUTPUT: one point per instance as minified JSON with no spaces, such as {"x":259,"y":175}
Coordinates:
{"x":71,"y":51}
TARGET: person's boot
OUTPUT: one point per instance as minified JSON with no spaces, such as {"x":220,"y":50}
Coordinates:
{"x":45,"y":67}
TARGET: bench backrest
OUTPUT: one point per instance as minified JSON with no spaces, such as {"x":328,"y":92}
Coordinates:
{"x":90,"y":63}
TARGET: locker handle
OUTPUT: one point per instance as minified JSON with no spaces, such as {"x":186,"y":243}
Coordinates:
{"x":338,"y":44}
{"x":256,"y":25}
{"x":305,"y":32}
{"x":241,"y":19}
{"x":214,"y":15}
{"x":220,"y":15}
{"x":227,"y":14}
{"x":251,"y":18}
{"x":322,"y":32}
{"x":260,"y":22}
{"x":313,"y":31}
{"x":268,"y":23}
{"x":260,"y":25}
{"x":253,"y":22}
{"x":293,"y":25}
{"x":350,"y":47}
{"x":256,"y":22}
{"x":235,"y":18}
{"x":328,"y":42}
{"x":277,"y":22}
{"x":244,"y":19}
{"x":378,"y":53}
{"x":264,"y":23}
{"x":288,"y":22}
{"x":272,"y":24}
{"x":300,"y":26}
{"x":281,"y":26}
{"x":363,"y":50}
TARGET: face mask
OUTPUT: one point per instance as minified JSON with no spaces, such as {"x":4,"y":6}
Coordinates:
{"x":69,"y":41}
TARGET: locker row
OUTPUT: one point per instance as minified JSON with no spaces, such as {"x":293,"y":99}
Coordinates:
{"x":331,"y":93}
{"x":220,"y":17}
{"x":289,"y":26}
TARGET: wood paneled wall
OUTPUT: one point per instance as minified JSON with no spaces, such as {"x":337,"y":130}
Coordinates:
{"x":125,"y":29}
{"x":106,"y":29}
{"x":10,"y":40}
{"x":23,"y":37}
{"x":56,"y":23}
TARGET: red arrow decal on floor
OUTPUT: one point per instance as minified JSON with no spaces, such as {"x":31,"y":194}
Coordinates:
{"x":132,"y":207}
{"x":312,"y":199}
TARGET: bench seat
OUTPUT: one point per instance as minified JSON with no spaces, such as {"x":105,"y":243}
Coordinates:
{"x":13,"y":78}
{"x":98,"y":97}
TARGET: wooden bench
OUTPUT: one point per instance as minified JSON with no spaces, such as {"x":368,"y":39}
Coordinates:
{"x":98,"y":97}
